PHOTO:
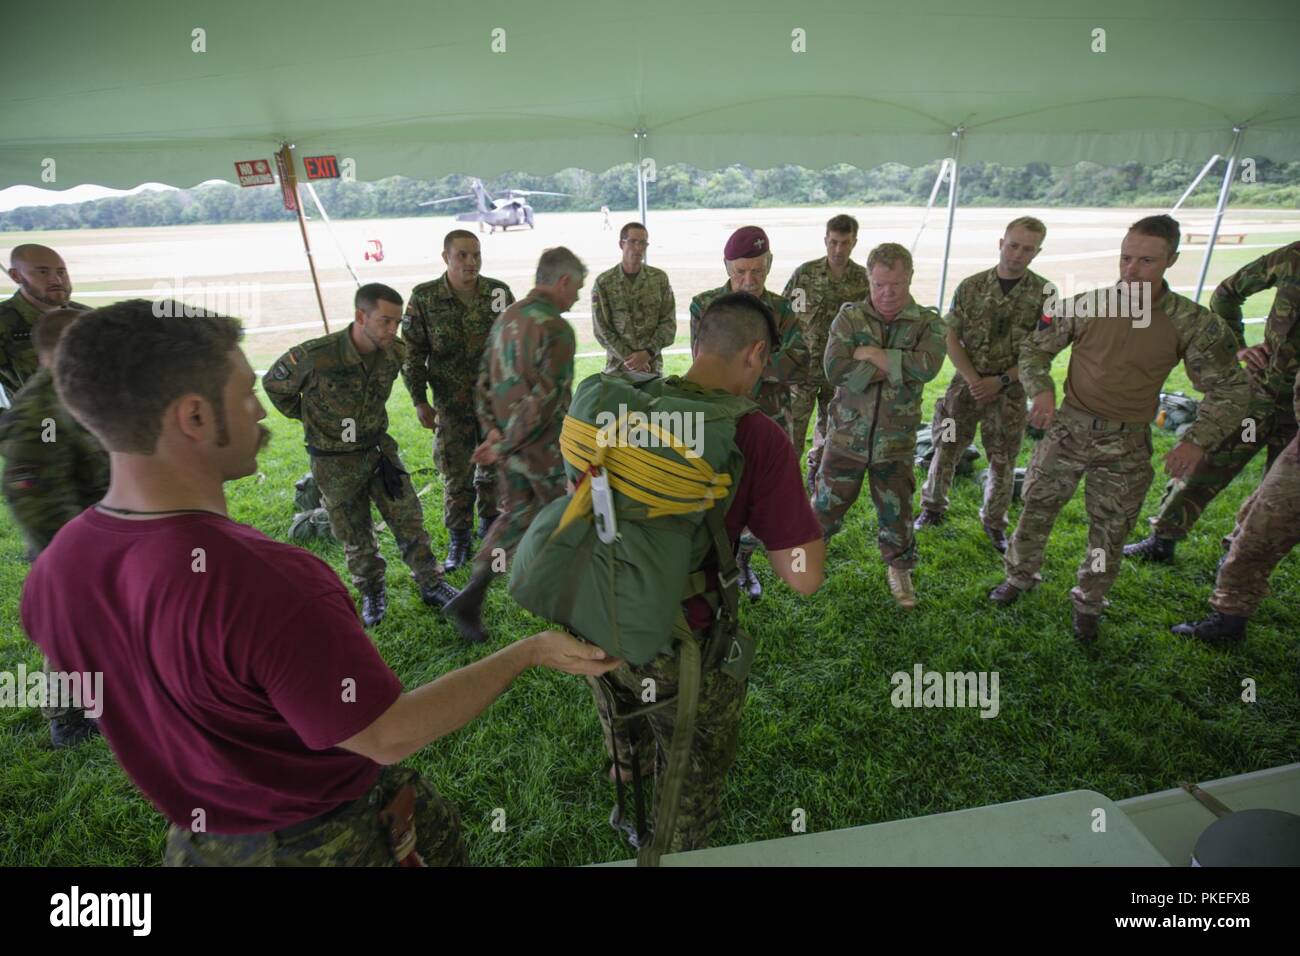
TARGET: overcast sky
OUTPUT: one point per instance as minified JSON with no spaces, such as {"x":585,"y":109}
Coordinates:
{"x":16,"y":196}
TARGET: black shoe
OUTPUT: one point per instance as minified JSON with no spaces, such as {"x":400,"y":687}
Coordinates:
{"x":1005,"y":593}
{"x":748,"y":582}
{"x":465,"y":609}
{"x":928,"y":518}
{"x":1086,"y":626}
{"x":438,"y":594}
{"x":72,"y":729}
{"x":1218,"y":628}
{"x":998,"y":537}
{"x":374,"y":604}
{"x":1154,"y":548}
{"x":485,"y":525}
{"x":457,"y":550}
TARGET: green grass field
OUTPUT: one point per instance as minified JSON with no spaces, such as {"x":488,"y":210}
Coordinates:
{"x":1141,"y":711}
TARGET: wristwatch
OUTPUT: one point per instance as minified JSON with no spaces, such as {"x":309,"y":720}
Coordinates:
{"x":1005,"y":379}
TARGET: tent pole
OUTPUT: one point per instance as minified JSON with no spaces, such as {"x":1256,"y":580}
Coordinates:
{"x":1195,"y":182}
{"x":1218,"y":212}
{"x":952,"y":210}
{"x":642,"y":199}
{"x":291,"y":178}
{"x":925,"y":217}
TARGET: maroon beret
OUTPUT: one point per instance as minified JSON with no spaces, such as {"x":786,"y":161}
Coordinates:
{"x":747,"y":242}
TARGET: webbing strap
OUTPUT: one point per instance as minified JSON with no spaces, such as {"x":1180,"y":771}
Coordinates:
{"x":679,"y":751}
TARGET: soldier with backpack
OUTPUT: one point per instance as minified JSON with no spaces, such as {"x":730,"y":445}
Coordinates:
{"x":667,"y":472}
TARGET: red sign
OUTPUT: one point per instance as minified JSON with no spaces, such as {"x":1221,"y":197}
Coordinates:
{"x":254,"y":172}
{"x":290,"y":194}
{"x":321,"y":167}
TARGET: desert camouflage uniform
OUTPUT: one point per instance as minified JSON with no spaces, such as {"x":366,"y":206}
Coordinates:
{"x":48,"y":483}
{"x":350,"y":836}
{"x":523,"y":391}
{"x":780,"y":391}
{"x":633,"y":314}
{"x":823,"y":295}
{"x":991,"y":326}
{"x":873,"y":420}
{"x":1115,"y":456}
{"x":17,"y":354}
{"x":445,"y":340}
{"x":327,"y":383}
{"x":1268,"y":528}
{"x":1270,"y":408}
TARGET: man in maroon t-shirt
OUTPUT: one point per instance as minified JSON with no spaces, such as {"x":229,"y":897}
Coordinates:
{"x":240,"y":692}
{"x":731,"y":347}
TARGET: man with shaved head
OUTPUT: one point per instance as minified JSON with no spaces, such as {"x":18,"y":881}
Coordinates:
{"x":43,"y":284}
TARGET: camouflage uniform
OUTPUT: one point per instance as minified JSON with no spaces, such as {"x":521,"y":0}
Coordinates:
{"x":17,"y":354}
{"x":1270,"y":408}
{"x":48,"y":483}
{"x":325,"y":382}
{"x":632,"y":314}
{"x":781,"y":390}
{"x":991,"y":326}
{"x":1116,"y":456}
{"x":873,"y":420}
{"x":445,"y":340}
{"x":713,"y":747}
{"x":351,"y":836}
{"x":1268,"y":528}
{"x":823,"y":295}
{"x":524,"y":387}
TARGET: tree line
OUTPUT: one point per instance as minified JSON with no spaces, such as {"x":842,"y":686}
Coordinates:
{"x":678,"y":186}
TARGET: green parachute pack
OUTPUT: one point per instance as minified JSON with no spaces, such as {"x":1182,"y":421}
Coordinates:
{"x":310,"y":520}
{"x":655,"y":466}
{"x":925,"y":452}
{"x":1176,"y":412}
{"x":1017,"y":484}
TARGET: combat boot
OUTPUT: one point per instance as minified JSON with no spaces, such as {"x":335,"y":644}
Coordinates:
{"x":928,"y":518}
{"x":1154,"y":548}
{"x":438,"y":593}
{"x":900,"y":585}
{"x":1086,"y":626}
{"x":1218,"y":628}
{"x":1005,"y":594}
{"x":374,"y":604}
{"x":749,"y":582}
{"x":68,"y":730}
{"x":998,"y":537}
{"x":457,"y":550}
{"x":485,"y":525}
{"x":466,"y":608}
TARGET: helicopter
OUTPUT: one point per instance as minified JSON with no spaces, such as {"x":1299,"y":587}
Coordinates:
{"x":510,"y":210}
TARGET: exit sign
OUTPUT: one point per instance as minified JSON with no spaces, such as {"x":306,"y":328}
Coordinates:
{"x":321,"y":167}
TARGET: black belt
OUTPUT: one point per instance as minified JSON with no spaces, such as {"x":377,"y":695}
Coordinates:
{"x":389,"y":473}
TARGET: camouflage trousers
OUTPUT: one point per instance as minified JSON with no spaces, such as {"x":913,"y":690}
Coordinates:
{"x":463,"y":482}
{"x":891,"y":483}
{"x":351,"y":836}
{"x":1268,"y":528}
{"x":348,"y":484}
{"x":1002,"y":430}
{"x":805,"y":397}
{"x":1117,"y":466}
{"x":1185,"y":499}
{"x":523,"y":491}
{"x":713,"y":749}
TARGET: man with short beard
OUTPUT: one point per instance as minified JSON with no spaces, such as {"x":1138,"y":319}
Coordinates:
{"x":240,"y":693}
{"x":43,"y":284}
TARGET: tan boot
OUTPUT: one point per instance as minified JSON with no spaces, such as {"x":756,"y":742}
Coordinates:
{"x":900,"y":585}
